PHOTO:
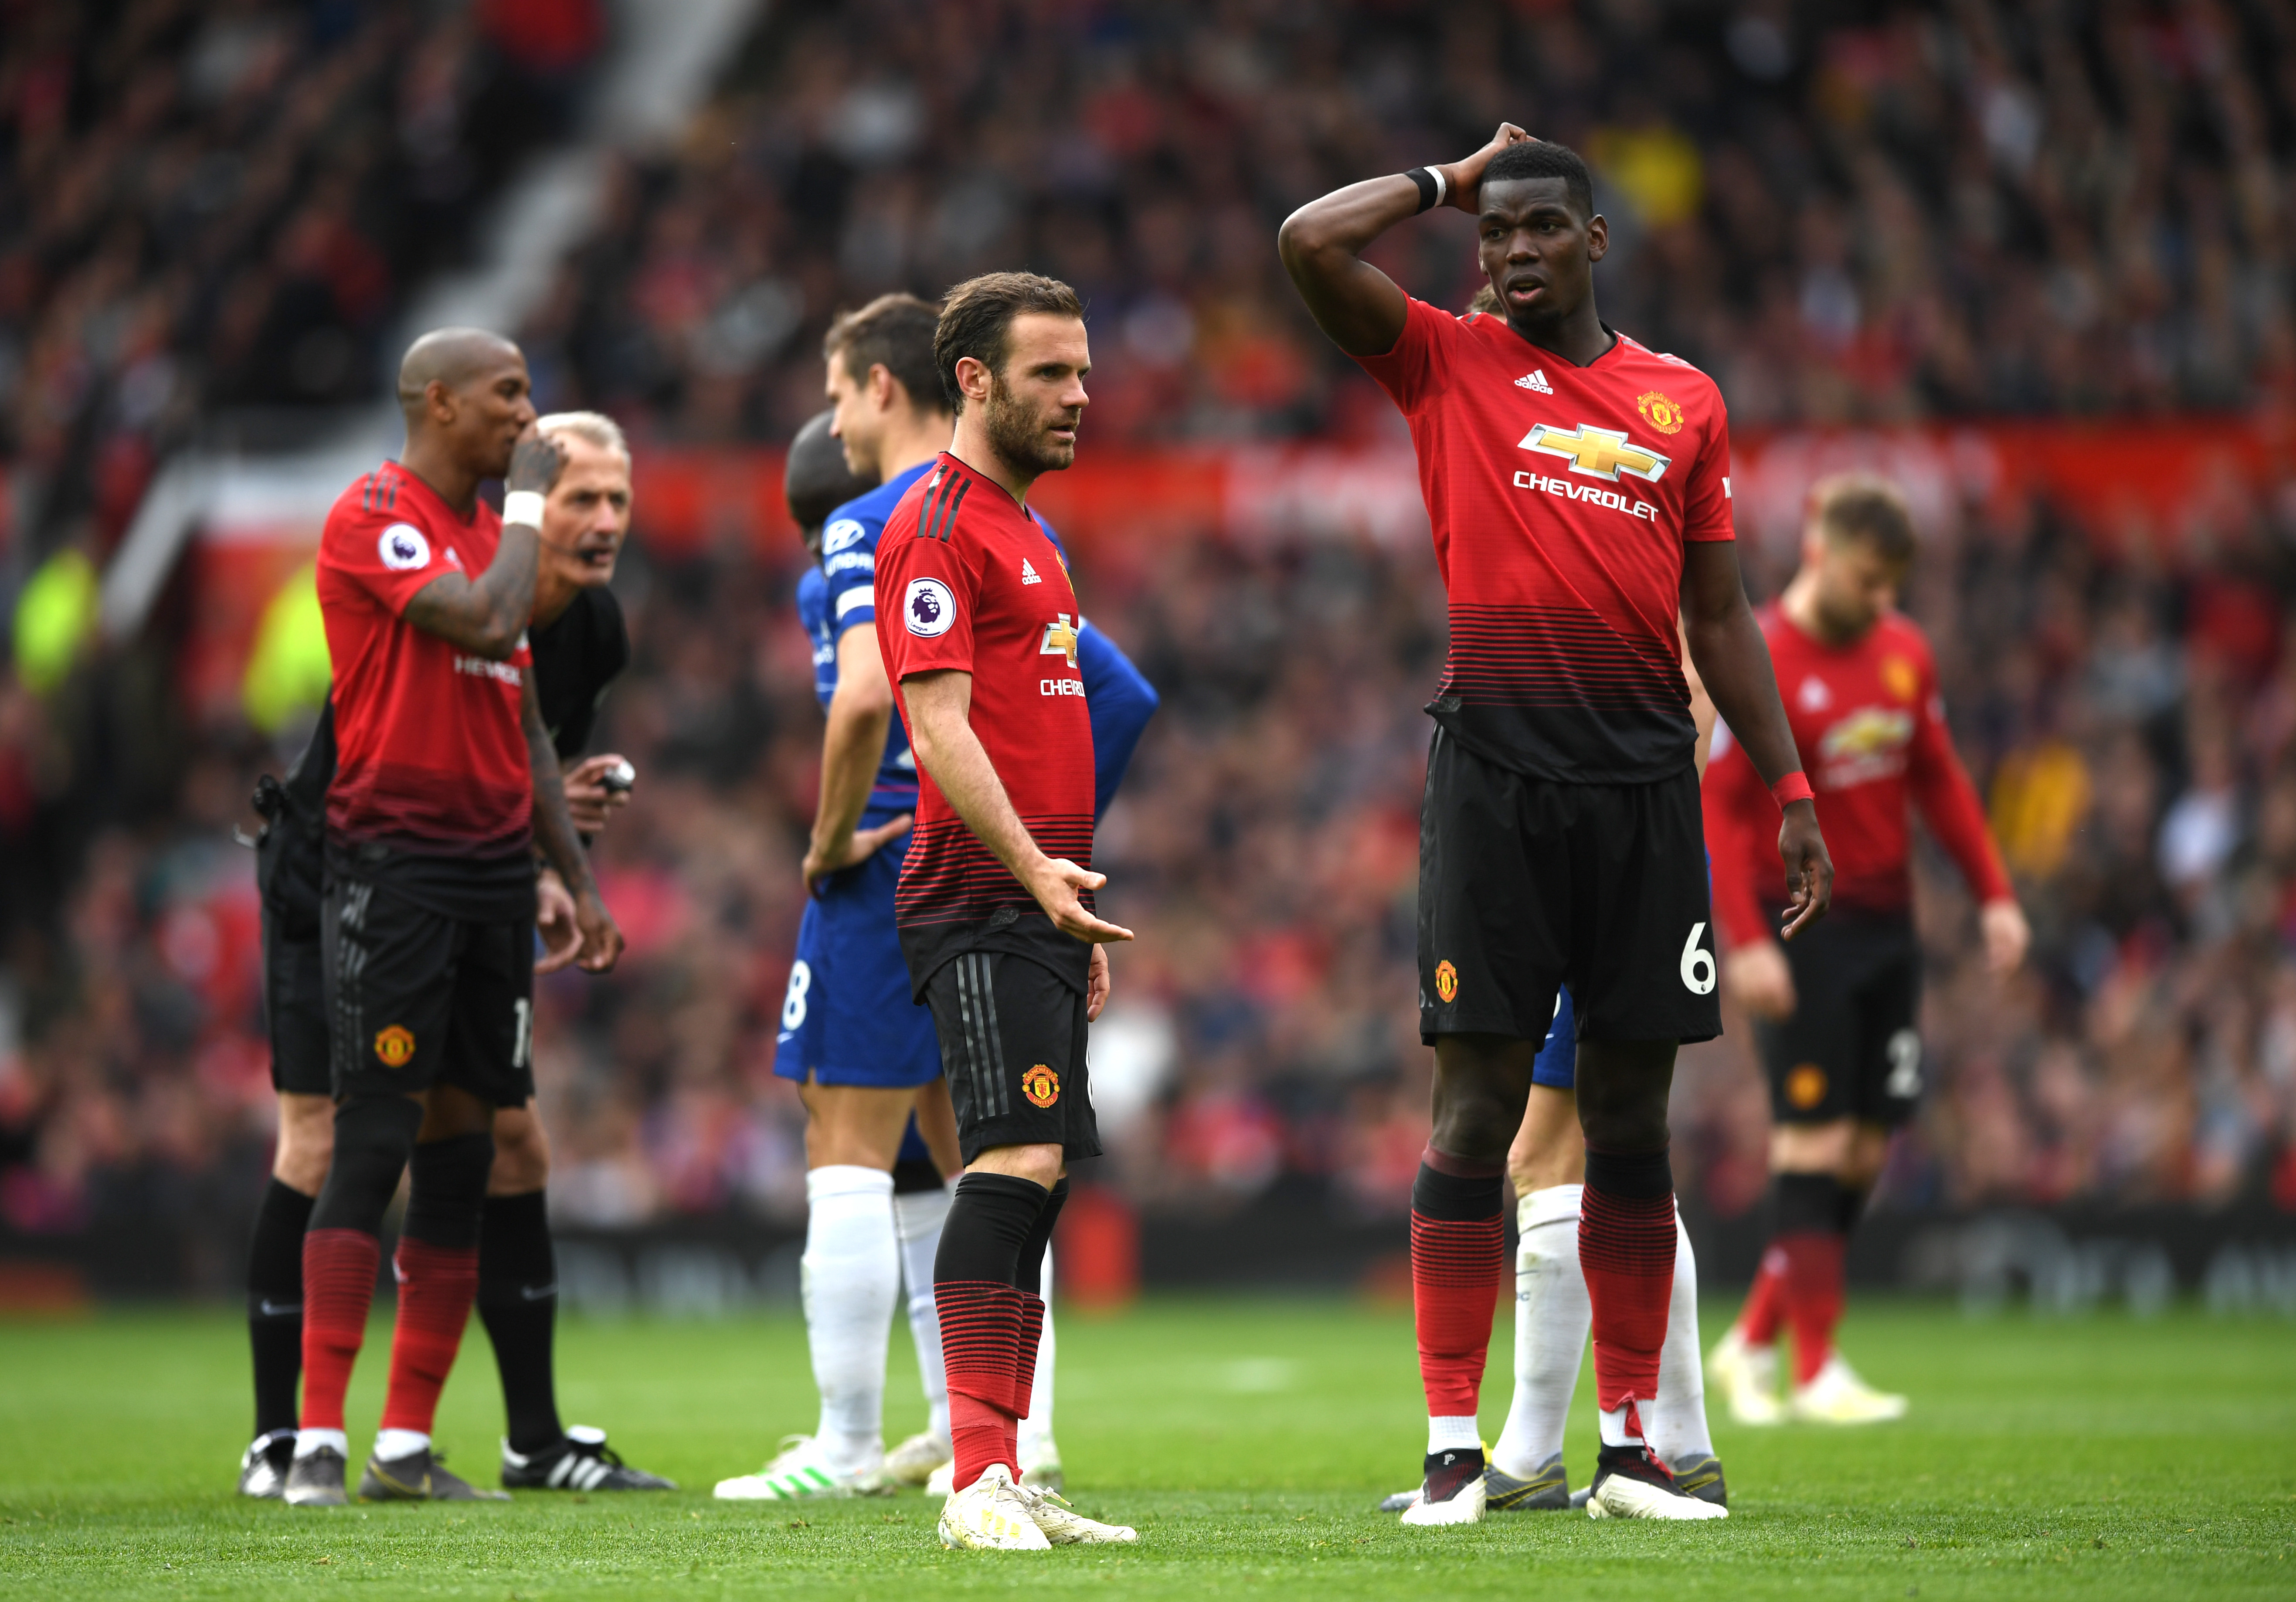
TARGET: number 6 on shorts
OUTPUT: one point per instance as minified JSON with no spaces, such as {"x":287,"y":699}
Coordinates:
{"x":1697,"y":963}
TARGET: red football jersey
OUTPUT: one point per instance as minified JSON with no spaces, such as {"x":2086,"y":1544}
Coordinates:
{"x":1560,"y":498}
{"x":432,"y":758}
{"x":966,"y":579}
{"x":1870,"y":729}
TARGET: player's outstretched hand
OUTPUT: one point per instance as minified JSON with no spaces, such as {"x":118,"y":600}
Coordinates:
{"x":589,"y":801}
{"x":553,"y":920}
{"x":2006,"y":935}
{"x":821,"y":862}
{"x":534,"y":462}
{"x":1098,"y":986}
{"x":1809,"y":870}
{"x":1759,"y":979}
{"x":1055,"y":884}
{"x":602,"y":942}
{"x":1463,"y":179}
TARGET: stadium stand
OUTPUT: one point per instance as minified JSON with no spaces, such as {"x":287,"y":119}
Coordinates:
{"x":1938,"y":214}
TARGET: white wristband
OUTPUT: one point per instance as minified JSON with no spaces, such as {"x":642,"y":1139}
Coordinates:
{"x":523,"y":506}
{"x":1442,"y":185}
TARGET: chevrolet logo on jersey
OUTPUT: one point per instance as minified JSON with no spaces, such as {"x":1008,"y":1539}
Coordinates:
{"x":1597,"y":452}
{"x":1060,"y":640}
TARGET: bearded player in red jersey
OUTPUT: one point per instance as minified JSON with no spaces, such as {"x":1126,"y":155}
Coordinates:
{"x":978,"y":627}
{"x":1835,"y":1011}
{"x":445,"y":781}
{"x":1578,"y":488}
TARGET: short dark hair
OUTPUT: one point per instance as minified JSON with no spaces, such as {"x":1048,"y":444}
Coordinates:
{"x":815,"y":480}
{"x":894,"y":330}
{"x":1867,"y":508}
{"x":1541,"y":158}
{"x":976,"y":321}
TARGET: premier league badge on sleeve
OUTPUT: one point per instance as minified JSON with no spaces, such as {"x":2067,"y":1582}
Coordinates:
{"x":929,"y":609}
{"x":403,"y":548}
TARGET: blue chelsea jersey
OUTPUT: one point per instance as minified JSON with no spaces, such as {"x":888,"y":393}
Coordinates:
{"x":842,"y":591}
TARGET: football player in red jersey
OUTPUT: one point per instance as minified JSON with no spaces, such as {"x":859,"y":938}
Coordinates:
{"x":445,"y":781}
{"x":994,"y":904}
{"x":1578,"y":485}
{"x":1835,"y":1011}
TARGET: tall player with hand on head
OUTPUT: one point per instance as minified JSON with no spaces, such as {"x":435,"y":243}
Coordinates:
{"x":445,"y":780}
{"x":1578,"y":487}
{"x":1835,"y":1011}
{"x":995,"y":902}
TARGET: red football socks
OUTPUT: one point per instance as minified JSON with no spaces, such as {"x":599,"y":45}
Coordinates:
{"x":436,"y":1286}
{"x":1765,"y":1302}
{"x":337,"y":1287}
{"x":1626,"y":1249}
{"x":1458,"y":1262}
{"x":1814,"y":1296}
{"x":980,"y":1325}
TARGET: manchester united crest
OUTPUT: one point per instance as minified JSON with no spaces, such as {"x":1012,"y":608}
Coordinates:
{"x":395,"y":1045}
{"x":1041,"y":1085}
{"x":1447,"y":981}
{"x":1660,"y":413}
{"x":1900,"y":678}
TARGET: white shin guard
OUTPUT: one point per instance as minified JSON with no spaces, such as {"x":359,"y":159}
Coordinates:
{"x":917,"y":1219}
{"x":1676,"y":1415}
{"x":851,"y":1276}
{"x":1552,"y":1317}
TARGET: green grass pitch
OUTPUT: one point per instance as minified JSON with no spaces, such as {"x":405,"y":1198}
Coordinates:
{"x":1247,"y":1440}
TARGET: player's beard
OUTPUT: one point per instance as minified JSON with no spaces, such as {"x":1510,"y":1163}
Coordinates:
{"x":1018,"y":432}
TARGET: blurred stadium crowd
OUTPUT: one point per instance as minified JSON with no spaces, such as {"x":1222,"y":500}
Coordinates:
{"x":1966,"y":209}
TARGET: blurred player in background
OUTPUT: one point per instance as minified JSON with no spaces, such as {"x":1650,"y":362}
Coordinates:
{"x":1578,"y":487}
{"x":579,"y":646}
{"x":999,"y":933}
{"x":444,"y":782}
{"x":1835,"y":1011}
{"x":847,"y":1022}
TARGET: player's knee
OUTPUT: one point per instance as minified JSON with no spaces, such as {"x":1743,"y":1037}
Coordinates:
{"x":521,"y":1161}
{"x":446,"y":1189}
{"x":372,"y":1137}
{"x":307,"y":1142}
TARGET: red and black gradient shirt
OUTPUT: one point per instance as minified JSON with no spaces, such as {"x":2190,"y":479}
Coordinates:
{"x":966,"y":579}
{"x":1870,"y":729}
{"x":1560,"y":498}
{"x":433,"y":791}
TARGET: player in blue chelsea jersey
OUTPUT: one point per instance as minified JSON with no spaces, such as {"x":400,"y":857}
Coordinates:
{"x":880,"y":1134}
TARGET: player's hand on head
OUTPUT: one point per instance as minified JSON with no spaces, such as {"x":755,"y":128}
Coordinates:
{"x":1097,"y":985}
{"x":2006,"y":935}
{"x":1759,"y":979}
{"x":1467,"y":177}
{"x":553,"y":920}
{"x":601,"y":941}
{"x":534,"y":462}
{"x":1056,"y":886}
{"x":822,"y":859}
{"x":1809,"y":869}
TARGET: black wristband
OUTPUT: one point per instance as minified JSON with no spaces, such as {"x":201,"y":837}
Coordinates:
{"x":1427,"y":187}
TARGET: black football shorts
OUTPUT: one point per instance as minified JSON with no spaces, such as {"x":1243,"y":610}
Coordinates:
{"x":1012,"y":1044}
{"x":1850,"y":1050}
{"x":415,"y":998}
{"x":295,"y":1011}
{"x":1526,"y":884}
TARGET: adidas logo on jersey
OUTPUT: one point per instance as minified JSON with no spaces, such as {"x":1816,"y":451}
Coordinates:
{"x":1535,"y":380}
{"x":1027,"y":573}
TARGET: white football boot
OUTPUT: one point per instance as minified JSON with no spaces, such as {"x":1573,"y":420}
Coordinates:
{"x":1836,"y":1396}
{"x":991,"y":1515}
{"x":1636,"y":1485}
{"x":799,"y":1472}
{"x":1747,"y":1376}
{"x":1065,"y":1526}
{"x":913,"y":1461}
{"x":1445,"y":1497}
